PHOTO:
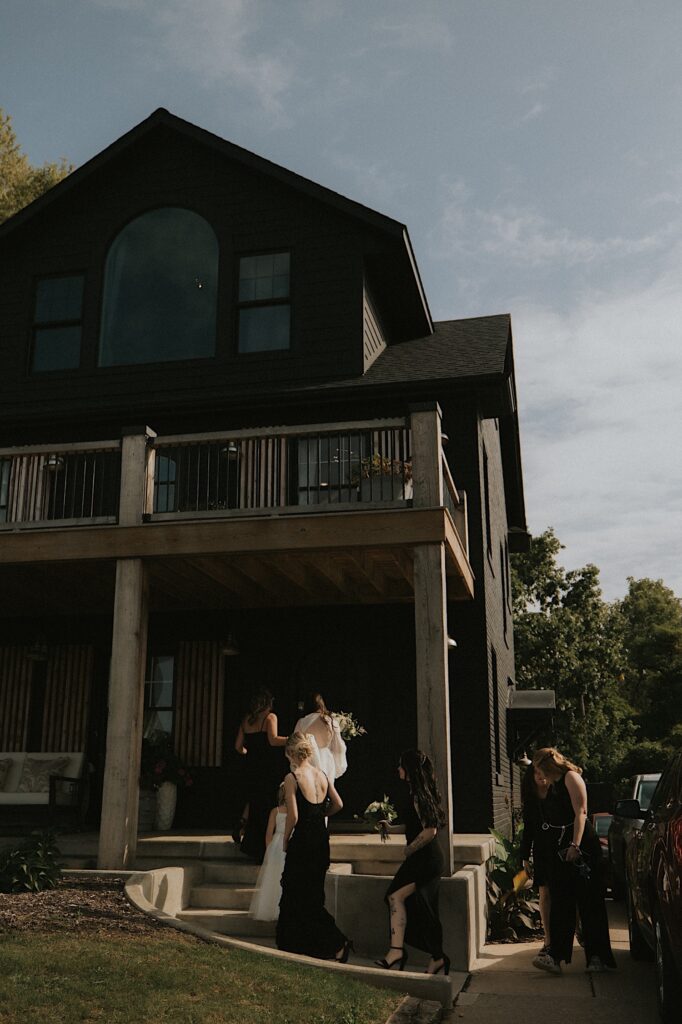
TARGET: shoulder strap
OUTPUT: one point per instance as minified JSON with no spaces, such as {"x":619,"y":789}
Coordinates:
{"x":264,"y":721}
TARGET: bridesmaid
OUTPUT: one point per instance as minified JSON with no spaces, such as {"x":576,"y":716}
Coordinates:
{"x":255,"y":740}
{"x":304,"y":926}
{"x":412,"y":896}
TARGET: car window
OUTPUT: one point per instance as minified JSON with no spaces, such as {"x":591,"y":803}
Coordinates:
{"x":646,"y":791}
{"x":601,"y":824}
{"x":663,"y":792}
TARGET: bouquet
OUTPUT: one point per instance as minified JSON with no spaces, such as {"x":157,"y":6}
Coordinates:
{"x":348,"y":727}
{"x":377,"y":814}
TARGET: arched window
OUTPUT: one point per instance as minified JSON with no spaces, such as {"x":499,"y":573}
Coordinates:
{"x":160,"y":288}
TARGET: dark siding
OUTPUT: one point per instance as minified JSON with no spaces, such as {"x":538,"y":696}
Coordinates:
{"x":374,"y":341}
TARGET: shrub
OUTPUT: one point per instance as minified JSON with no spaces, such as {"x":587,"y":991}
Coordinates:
{"x":513,"y":913}
{"x":32,"y":866}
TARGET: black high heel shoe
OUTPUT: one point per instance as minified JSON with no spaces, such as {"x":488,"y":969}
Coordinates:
{"x":347,"y":946}
{"x":444,"y":967}
{"x":398,"y":964}
{"x":237,"y":833}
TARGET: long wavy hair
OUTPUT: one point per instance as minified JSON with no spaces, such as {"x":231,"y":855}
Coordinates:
{"x":552,"y":759}
{"x":421,"y":779}
{"x":261,"y":700}
{"x":314,"y":701}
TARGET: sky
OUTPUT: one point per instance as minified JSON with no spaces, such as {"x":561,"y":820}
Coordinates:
{"x":532,"y":147}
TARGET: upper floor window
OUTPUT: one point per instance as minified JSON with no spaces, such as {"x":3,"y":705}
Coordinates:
{"x":57,"y":323}
{"x":160,"y":290}
{"x":264,"y":303}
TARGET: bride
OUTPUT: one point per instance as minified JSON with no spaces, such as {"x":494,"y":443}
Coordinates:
{"x":329,"y":748}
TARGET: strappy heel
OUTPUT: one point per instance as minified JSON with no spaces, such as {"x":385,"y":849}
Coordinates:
{"x":347,"y":946}
{"x":397,"y":965}
{"x":237,"y":833}
{"x":444,"y":967}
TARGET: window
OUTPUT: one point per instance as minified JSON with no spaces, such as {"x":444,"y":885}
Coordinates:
{"x":158,"y":696}
{"x":57,"y":323}
{"x":486,"y":501}
{"x":496,"y":709}
{"x":160,"y":290}
{"x":5,"y":470}
{"x":264,"y":306}
{"x":165,"y":478}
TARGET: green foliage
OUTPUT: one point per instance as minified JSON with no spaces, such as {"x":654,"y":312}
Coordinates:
{"x":647,"y":756}
{"x":20,"y":182}
{"x":512,"y":914}
{"x":568,"y":639}
{"x":32,"y":866}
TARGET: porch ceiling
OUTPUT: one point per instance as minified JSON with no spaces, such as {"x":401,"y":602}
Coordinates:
{"x":332,"y":559}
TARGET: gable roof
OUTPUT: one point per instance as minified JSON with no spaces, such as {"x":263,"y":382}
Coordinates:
{"x":393,"y":230}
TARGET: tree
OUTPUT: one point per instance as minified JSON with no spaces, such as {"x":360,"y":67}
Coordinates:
{"x":652,"y":631}
{"x":568,"y":639}
{"x":20,"y":182}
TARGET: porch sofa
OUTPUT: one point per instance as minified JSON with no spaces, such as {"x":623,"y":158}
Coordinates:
{"x":51,"y":780}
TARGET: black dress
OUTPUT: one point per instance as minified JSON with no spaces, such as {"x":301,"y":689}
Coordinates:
{"x":262,"y":780}
{"x":574,"y":886}
{"x":423,"y":869}
{"x":304,"y":926}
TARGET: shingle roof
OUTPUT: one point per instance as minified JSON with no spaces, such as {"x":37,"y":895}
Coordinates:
{"x":476,"y":347}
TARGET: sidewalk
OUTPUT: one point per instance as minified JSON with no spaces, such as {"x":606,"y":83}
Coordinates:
{"x":506,"y":989}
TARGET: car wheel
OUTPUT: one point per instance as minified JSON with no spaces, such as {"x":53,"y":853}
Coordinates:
{"x":639,"y":950}
{"x":668,"y":988}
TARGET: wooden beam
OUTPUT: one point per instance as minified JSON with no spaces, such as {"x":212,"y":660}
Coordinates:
{"x":433,"y":700}
{"x":318,"y":531}
{"x":118,"y":827}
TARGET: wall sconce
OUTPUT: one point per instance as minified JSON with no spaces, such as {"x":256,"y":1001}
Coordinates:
{"x":53,"y":463}
{"x":230,"y":451}
{"x":229,"y":647}
{"x":451,"y":644}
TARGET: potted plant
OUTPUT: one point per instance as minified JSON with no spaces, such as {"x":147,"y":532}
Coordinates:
{"x":161,"y":772}
{"x":382,"y":478}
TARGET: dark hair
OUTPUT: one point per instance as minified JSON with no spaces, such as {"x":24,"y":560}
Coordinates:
{"x":314,"y":701}
{"x":424,"y":788}
{"x":260,"y":700}
{"x":529,"y":789}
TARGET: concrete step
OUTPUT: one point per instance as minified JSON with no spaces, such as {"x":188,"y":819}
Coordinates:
{"x":221,"y":897}
{"x":227,"y":922}
{"x":186,"y":847}
{"x":233,"y":872}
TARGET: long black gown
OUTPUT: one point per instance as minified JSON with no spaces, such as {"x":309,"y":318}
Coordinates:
{"x":572,"y":888}
{"x":304,"y":926}
{"x":423,"y":868}
{"x":262,"y":779}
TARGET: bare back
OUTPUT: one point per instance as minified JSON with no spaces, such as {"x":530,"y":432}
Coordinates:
{"x":312,"y":783}
{"x":322,"y":730}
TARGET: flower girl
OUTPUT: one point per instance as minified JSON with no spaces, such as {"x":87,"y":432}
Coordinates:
{"x":265,"y":901}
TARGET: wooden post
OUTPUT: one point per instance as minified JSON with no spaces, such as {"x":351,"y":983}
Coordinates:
{"x":137,"y":475}
{"x":427,"y":454}
{"x":433,"y":698}
{"x":118,"y":828}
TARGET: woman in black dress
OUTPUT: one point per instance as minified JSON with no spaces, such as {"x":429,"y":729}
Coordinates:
{"x":257,"y":740}
{"x":412,"y":896}
{"x":575,"y":867}
{"x":535,"y":841}
{"x":304,"y":926}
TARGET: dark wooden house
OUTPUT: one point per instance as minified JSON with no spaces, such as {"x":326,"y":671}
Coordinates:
{"x":228,"y":423}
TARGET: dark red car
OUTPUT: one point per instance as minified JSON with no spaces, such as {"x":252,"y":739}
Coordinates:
{"x":653,"y":872}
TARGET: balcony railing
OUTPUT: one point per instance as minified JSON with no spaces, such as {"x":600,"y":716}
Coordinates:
{"x":360,"y":465}
{"x":69,"y":484}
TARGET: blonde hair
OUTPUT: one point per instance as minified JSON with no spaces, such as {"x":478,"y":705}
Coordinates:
{"x":298,"y":748}
{"x":550,"y":757}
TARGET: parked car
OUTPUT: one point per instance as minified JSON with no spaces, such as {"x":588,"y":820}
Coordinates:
{"x":653,"y":869}
{"x":602,"y":821}
{"x":640,"y":788}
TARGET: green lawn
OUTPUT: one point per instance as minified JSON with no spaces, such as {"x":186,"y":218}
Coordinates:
{"x":67,"y":978}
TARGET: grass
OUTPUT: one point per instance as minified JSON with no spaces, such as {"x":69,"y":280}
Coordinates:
{"x":57,"y":978}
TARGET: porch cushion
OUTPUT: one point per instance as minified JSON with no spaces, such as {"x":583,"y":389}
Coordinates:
{"x":24,"y":799}
{"x":35,"y":778}
{"x":5,"y":765}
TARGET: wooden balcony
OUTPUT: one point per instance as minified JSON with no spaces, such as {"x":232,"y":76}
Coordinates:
{"x":322,"y":513}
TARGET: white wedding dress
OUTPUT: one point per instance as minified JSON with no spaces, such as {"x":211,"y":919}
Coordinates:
{"x":330,"y":759}
{"x":265,"y":901}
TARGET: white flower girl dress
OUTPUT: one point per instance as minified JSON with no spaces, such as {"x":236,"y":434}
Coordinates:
{"x":265,"y":901}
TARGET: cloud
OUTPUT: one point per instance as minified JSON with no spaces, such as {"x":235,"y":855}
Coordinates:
{"x":599,"y":401}
{"x":218,"y":41}
{"x":537,"y":110}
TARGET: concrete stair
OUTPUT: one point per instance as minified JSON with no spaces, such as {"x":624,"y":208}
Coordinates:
{"x":227,"y":922}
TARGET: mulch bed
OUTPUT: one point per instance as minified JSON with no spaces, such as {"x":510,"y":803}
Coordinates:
{"x":94,"y":905}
